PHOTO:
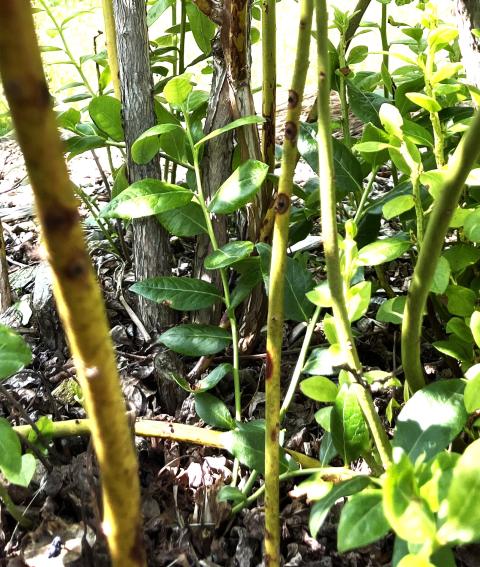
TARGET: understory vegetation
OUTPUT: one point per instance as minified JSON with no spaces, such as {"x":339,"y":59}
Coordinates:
{"x":293,"y":289}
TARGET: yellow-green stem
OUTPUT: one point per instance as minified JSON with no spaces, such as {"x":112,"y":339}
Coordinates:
{"x":330,"y":235}
{"x":111,"y":44}
{"x":460,"y":164}
{"x":275,"y":316}
{"x":269,"y":81}
{"x":438,"y":137}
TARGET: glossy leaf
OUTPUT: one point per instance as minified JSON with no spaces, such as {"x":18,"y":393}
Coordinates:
{"x":382,"y":251}
{"x":203,"y":29}
{"x":362,"y":521}
{"x":424,"y":101}
{"x":147,"y":145}
{"x":406,"y":512}
{"x":24,"y":475}
{"x":177,"y":89}
{"x":232,"y":126}
{"x":324,"y":360}
{"x":348,"y":427}
{"x":14,"y":352}
{"x":365,"y":105}
{"x":460,"y":300}
{"x":240,"y":188}
{"x":10,"y":450}
{"x":213,"y":411}
{"x":77,"y":145}
{"x":319,"y":388}
{"x":184,"y":294}
{"x":106,"y":112}
{"x":188,"y":220}
{"x":398,"y":206}
{"x":441,"y":277}
{"x":321,"y":508}
{"x":157,"y":9}
{"x":461,"y":514}
{"x":358,"y":300}
{"x":471,"y":226}
{"x":391,"y":310}
{"x":228,"y":254}
{"x":146,"y":198}
{"x":431,"y":419}
{"x":196,"y":340}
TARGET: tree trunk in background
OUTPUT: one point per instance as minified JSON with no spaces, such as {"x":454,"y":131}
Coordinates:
{"x":151,"y":245}
{"x":216,"y":168}
{"x":5,"y":292}
{"x":468,"y":18}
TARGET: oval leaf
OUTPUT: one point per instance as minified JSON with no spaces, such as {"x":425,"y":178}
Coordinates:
{"x":213,"y":411}
{"x":146,"y":198}
{"x":319,"y":388}
{"x":147,"y":144}
{"x":14,"y":352}
{"x":382,"y":251}
{"x":240,"y":188}
{"x":229,"y":254}
{"x":106,"y":112}
{"x":184,"y":294}
{"x":184,"y":221}
{"x":196,"y":340}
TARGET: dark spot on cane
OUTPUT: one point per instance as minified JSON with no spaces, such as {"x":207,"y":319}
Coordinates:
{"x":345,"y":71}
{"x":292,"y":99}
{"x":76,"y":269}
{"x":290,"y":131}
{"x":274,"y":435}
{"x":322,"y":74}
{"x":268,"y":367}
{"x":60,"y":219}
{"x":282,"y":203}
{"x":137,"y":551}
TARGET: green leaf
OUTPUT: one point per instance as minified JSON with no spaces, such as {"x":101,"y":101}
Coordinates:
{"x":424,"y":101}
{"x":235,"y":124}
{"x":370,"y":147}
{"x":214,"y":377}
{"x":472,"y":389}
{"x":146,"y":198}
{"x":322,"y":417}
{"x":460,"y":256}
{"x":231,"y":493}
{"x":391,"y":120}
{"x":184,"y":294}
{"x":417,"y":134}
{"x":184,"y":221}
{"x":472,"y":226}
{"x":146,"y":146}
{"x":14,"y":352}
{"x":382,"y":251}
{"x":174,"y":144}
{"x":319,"y":388}
{"x":120,"y":182}
{"x":240,"y":188}
{"x":391,"y":311}
{"x":358,"y":300}
{"x":398,"y":206}
{"x":245,"y":284}
{"x":228,"y":254}
{"x":213,"y":411}
{"x":157,"y":9}
{"x":456,"y":348}
{"x":442,"y":36}
{"x":106,"y":112}
{"x":321,"y":295}
{"x":431,"y":419}
{"x":196,"y":340}
{"x":407,"y":513}
{"x":247,"y":444}
{"x":177,"y":89}
{"x":461,"y":514}
{"x":475,"y":327}
{"x":324,"y":360}
{"x":327,"y":449}
{"x":441,"y":276}
{"x":349,"y":430}
{"x":321,"y":508}
{"x":357,"y":54}
{"x":77,"y":145}
{"x":362,"y":521}
{"x":298,"y":281}
{"x":365,"y":105}
{"x":461,"y":300}
{"x":446,"y":71}
{"x":24,"y":476}
{"x":69,"y":119}
{"x":372,"y":134}
{"x":203,"y":29}
{"x":10,"y":450}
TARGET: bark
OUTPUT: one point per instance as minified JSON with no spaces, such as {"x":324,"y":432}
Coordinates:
{"x":5,"y":292}
{"x":216,"y":168}
{"x":151,"y":245}
{"x":468,"y":18}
